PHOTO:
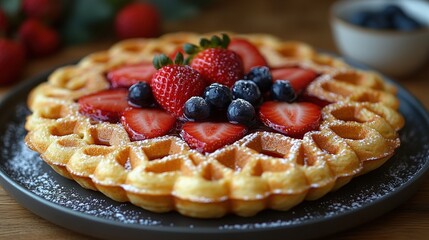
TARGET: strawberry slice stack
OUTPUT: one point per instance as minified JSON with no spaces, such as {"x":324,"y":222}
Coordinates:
{"x":221,"y":91}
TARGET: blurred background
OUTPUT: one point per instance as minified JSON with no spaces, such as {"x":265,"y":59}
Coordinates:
{"x":70,"y":29}
{"x":53,"y":32}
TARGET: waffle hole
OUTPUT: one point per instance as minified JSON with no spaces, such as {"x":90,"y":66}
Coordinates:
{"x":233,"y":159}
{"x":272,"y":153}
{"x":290,"y":51}
{"x":100,"y":58}
{"x":162,"y":149}
{"x":51,"y":112}
{"x":330,"y":86}
{"x":101,"y":137}
{"x":270,"y":146}
{"x":352,"y":132}
{"x":123,"y":158}
{"x":348,"y":114}
{"x":156,"y":50}
{"x":351,"y":78}
{"x":62,"y":129}
{"x":212,"y":173}
{"x":132,"y":48}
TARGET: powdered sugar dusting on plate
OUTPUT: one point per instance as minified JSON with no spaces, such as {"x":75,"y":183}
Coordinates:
{"x":27,"y":169}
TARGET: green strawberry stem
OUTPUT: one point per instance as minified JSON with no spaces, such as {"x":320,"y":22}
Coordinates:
{"x":162,"y":60}
{"x":214,"y":42}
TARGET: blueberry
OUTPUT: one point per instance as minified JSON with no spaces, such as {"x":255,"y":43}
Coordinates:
{"x":140,"y":95}
{"x":378,"y":21}
{"x":360,"y":18}
{"x":405,"y":23}
{"x":247,"y":90}
{"x":240,"y":111}
{"x":217,"y":95}
{"x":196,"y":108}
{"x":392,"y":10}
{"x":282,"y":91}
{"x":261,"y":76}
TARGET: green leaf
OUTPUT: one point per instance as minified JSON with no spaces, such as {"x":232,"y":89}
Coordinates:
{"x":179,"y":58}
{"x":190,"y":48}
{"x":204,"y":43}
{"x":156,"y":63}
{"x":225,"y":40}
{"x":215,"y":41}
{"x":164,"y":60}
{"x":12,"y":9}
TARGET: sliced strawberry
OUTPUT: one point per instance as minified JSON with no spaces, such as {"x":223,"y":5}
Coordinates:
{"x":128,"y":75}
{"x":143,"y":123}
{"x":106,"y":105}
{"x":248,"y":52}
{"x":299,"y":78}
{"x":209,"y":136}
{"x":292,"y":119}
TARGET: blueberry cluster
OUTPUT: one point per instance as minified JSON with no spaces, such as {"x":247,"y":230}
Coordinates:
{"x":390,"y":17}
{"x":241,"y":99}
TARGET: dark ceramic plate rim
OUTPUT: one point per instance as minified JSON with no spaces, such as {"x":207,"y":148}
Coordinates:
{"x":343,"y":220}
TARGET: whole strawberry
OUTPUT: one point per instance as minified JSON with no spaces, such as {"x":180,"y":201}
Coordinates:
{"x":43,"y":10}
{"x":174,"y":83}
{"x":39,"y":39}
{"x":12,"y":61}
{"x":138,"y":20}
{"x":214,"y":61}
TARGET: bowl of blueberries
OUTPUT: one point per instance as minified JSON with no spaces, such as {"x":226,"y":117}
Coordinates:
{"x":391,"y":36}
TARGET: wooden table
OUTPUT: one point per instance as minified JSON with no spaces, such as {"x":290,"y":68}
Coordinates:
{"x":302,"y":20}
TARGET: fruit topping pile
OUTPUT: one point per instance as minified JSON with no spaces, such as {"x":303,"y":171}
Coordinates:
{"x":215,"y":94}
{"x":390,"y":17}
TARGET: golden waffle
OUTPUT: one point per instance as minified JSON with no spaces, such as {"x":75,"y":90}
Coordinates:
{"x":358,"y":133}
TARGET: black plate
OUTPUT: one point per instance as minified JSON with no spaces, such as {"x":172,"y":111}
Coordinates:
{"x":37,"y":187}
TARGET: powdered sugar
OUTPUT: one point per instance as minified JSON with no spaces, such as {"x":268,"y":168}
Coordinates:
{"x":27,"y":169}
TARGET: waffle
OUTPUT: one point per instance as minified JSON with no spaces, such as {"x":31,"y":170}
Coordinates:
{"x":263,"y":170}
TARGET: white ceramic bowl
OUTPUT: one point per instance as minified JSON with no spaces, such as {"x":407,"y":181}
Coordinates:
{"x":395,"y":53}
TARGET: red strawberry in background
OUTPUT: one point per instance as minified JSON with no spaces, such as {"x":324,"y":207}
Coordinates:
{"x":292,"y":119}
{"x":128,"y":75}
{"x":147,"y":123}
{"x":216,"y":63}
{"x":299,"y":78}
{"x":173,"y":84}
{"x":43,"y":10}
{"x":209,"y":136}
{"x":3,"y":23}
{"x":138,"y":20}
{"x":39,"y":39}
{"x":106,"y":105}
{"x":12,"y":61}
{"x":248,"y":52}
